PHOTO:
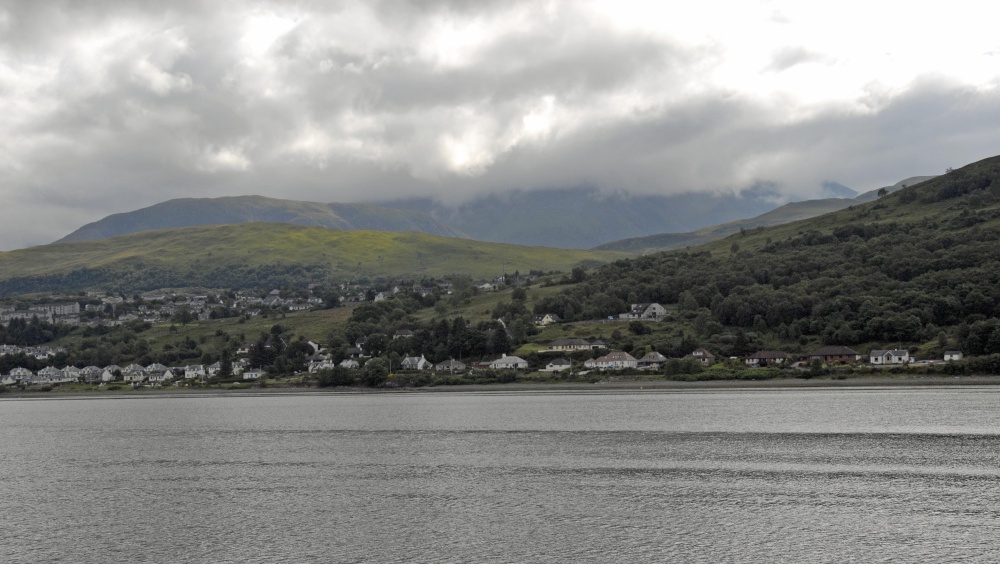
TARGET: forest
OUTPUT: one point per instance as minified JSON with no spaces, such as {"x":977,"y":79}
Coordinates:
{"x":916,"y":266}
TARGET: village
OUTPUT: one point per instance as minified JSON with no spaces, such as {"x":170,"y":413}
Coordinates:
{"x":567,"y":355}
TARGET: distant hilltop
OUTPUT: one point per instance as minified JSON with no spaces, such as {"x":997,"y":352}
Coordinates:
{"x":193,"y":212}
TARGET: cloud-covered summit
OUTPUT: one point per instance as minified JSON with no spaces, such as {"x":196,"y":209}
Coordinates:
{"x":112,"y":106}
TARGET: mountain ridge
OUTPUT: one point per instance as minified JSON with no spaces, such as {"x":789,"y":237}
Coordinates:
{"x":191,"y":212}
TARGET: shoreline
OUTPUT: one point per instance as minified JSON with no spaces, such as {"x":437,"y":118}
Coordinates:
{"x":608,"y":386}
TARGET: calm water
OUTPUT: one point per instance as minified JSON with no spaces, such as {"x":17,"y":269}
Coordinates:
{"x":721,"y":476}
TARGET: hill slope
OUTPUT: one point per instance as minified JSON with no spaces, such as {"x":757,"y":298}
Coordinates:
{"x":189,"y":212}
{"x":264,"y":254}
{"x":920,"y":265}
{"x":787,"y":213}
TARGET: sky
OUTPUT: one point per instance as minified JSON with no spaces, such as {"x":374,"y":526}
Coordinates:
{"x":110,"y":106}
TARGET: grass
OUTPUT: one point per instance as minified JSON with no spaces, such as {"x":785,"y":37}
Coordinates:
{"x":353,"y":253}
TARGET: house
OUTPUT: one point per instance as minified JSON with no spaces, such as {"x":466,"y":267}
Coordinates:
{"x":547,"y":319}
{"x":703,"y":356}
{"x":160,"y":375}
{"x":253,"y":374}
{"x":835,"y":354}
{"x":133,"y":374}
{"x":613,"y":361}
{"x":22,"y":374}
{"x":898,"y":356}
{"x":349,"y":363}
{"x":91,"y":373}
{"x":651,"y":361}
{"x":402,"y":334}
{"x":575,"y":345}
{"x":213,"y":369}
{"x":952,"y":355}
{"x":557,"y":365}
{"x":766,"y":358}
{"x":509,"y":363}
{"x":450,"y":366}
{"x":50,"y":374}
{"x":650,"y":311}
{"x":321,"y":364}
{"x":415,"y":363}
{"x":194,"y":371}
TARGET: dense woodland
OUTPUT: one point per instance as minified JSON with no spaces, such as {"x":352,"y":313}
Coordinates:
{"x":919,"y":265}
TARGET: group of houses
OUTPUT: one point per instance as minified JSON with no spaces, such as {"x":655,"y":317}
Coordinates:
{"x":135,"y":374}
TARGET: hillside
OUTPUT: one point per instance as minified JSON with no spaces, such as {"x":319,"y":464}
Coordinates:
{"x":921,"y":265}
{"x":787,"y":213}
{"x":189,"y":212}
{"x":265,"y":254}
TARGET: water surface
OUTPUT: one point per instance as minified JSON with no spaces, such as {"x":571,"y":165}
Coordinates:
{"x":900,"y":475}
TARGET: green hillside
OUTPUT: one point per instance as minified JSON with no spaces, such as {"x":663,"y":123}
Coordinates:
{"x":260,"y":254}
{"x":668,"y":241}
{"x":787,"y":213}
{"x":190,"y":212}
{"x":919,"y":266}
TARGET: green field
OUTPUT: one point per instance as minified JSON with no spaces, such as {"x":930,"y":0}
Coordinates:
{"x":248,"y":255}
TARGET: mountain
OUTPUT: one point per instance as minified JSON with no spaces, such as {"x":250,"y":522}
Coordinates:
{"x":838,"y":190}
{"x":266,"y":254}
{"x":787,"y":213}
{"x":189,"y":212}
{"x":577,"y":218}
{"x":919,"y":266}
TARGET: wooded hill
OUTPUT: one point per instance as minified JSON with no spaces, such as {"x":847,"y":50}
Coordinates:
{"x":256,"y":255}
{"x":787,"y":213}
{"x":919,"y":265}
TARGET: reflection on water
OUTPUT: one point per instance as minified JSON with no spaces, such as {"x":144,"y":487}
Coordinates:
{"x":796,"y":476}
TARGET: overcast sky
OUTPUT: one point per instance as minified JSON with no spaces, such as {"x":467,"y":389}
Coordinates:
{"x":111,"y":106}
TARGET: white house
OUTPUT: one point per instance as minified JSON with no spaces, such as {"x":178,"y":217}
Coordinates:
{"x":547,"y":319}
{"x":509,"y":363}
{"x":576,"y":345}
{"x":450,"y":366}
{"x":651,"y":311}
{"x":253,"y":374}
{"x":612,"y":361}
{"x":161,"y":376}
{"x":194,"y":371}
{"x":557,"y":365}
{"x":415,"y":363}
{"x":952,"y":355}
{"x":322,"y":364}
{"x":349,"y":363}
{"x":889,"y":357}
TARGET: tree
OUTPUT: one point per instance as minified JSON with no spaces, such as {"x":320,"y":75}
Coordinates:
{"x":375,"y":372}
{"x":882,"y":192}
{"x":225,"y":365}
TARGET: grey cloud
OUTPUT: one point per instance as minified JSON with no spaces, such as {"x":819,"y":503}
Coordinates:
{"x":789,"y":57}
{"x":95,"y":139}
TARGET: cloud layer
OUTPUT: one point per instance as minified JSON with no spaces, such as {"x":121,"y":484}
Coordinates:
{"x":110,"y":106}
